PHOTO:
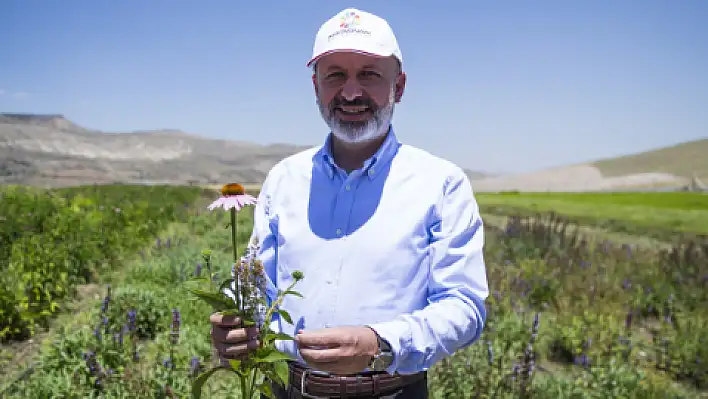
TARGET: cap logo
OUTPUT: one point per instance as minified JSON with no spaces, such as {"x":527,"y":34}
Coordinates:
{"x":348,"y":20}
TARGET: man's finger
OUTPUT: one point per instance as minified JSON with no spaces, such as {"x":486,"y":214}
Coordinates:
{"x":241,"y":334}
{"x":239,"y":350}
{"x":325,"y":338}
{"x":225,"y":320}
{"x":321,"y":355}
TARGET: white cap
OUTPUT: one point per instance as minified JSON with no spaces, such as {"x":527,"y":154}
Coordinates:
{"x":356,"y":31}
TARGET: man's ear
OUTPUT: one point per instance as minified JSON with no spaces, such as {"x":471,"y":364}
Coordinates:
{"x":314,"y":83}
{"x":400,"y":86}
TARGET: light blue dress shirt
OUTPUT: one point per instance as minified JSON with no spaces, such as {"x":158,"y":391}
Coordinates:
{"x":396,"y":245}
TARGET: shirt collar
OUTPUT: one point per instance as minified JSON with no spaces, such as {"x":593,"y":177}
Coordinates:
{"x":383,"y":155}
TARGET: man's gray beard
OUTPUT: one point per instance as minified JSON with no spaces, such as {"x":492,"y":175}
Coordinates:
{"x":356,"y":132}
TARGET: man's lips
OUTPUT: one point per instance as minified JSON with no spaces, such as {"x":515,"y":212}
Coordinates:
{"x":349,"y":109}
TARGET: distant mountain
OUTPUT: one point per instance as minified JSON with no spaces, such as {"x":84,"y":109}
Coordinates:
{"x":49,"y":150}
{"x":475,"y":175}
{"x":682,"y":160}
{"x":52,"y":151}
{"x":679,"y":167}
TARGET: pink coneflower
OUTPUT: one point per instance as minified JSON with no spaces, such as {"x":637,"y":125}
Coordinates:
{"x":233,"y":196}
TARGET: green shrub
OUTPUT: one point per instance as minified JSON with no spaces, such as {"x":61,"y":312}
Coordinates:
{"x":54,"y":240}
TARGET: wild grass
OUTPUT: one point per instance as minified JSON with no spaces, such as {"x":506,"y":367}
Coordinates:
{"x":566,"y":319}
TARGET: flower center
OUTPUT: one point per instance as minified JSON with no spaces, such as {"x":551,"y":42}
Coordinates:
{"x":233,"y":189}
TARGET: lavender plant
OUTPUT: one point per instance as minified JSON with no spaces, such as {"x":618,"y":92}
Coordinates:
{"x":243,"y":294}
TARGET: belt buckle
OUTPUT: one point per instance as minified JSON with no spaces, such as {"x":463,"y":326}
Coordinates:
{"x":304,"y":393}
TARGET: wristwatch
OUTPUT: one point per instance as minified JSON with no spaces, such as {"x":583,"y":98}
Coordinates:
{"x":384,"y":358}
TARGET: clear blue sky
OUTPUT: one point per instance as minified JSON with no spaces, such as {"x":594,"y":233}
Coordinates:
{"x":496,"y":85}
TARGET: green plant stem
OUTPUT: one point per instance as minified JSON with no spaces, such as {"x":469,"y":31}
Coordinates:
{"x":233,"y":234}
{"x":233,"y":244}
{"x":273,"y":307}
{"x":243,"y":386}
{"x":253,"y":382}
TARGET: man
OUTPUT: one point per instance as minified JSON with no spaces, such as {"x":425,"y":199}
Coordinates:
{"x":388,"y":236}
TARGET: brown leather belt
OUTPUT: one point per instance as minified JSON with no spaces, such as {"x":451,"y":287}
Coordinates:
{"x":308,"y":383}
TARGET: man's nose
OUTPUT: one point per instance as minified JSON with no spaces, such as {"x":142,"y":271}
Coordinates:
{"x":351,"y":90}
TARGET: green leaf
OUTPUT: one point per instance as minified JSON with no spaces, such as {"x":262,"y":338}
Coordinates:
{"x":226,"y":284}
{"x":235,"y":364}
{"x":200,"y":279}
{"x":281,"y":370}
{"x":218,"y":301}
{"x":201,"y":380}
{"x":267,"y":391}
{"x":292,"y":292}
{"x":271,"y":356}
{"x":231,"y":312}
{"x":285,"y":315}
{"x":270,"y":337}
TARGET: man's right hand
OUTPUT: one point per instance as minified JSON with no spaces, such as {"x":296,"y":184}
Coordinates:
{"x":231,"y":340}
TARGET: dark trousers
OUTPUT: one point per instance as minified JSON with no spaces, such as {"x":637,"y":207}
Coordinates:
{"x":416,"y":390}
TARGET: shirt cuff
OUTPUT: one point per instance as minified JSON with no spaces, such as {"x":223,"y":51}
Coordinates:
{"x":397,"y":334}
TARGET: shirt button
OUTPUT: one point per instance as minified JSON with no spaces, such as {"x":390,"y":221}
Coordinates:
{"x":339,"y":232}
{"x":348,"y":187}
{"x":371,"y":172}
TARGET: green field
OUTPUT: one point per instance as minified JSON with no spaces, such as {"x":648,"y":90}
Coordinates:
{"x":660,"y":215}
{"x":613,"y":320}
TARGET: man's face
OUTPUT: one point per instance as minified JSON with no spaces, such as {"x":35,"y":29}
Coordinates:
{"x":356,"y":94}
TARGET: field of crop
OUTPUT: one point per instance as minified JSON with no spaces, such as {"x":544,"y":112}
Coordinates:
{"x":660,"y":215}
{"x":565,"y":318}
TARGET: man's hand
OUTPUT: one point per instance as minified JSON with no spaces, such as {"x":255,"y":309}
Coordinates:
{"x":339,"y":350}
{"x":230,"y":339}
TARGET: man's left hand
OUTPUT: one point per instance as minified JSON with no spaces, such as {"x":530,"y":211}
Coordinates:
{"x":338,"y":350}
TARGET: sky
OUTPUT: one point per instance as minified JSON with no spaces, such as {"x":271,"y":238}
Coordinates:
{"x":496,"y":86}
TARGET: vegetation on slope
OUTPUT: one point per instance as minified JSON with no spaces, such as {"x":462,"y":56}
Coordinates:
{"x":683,"y":159}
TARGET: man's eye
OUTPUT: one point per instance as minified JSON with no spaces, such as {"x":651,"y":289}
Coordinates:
{"x":335,"y":75}
{"x":371,"y":74}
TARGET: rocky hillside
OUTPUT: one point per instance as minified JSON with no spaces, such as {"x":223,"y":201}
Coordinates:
{"x":49,"y":150}
{"x":52,"y":151}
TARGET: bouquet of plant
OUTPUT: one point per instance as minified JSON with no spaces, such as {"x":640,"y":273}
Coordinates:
{"x":244,"y":295}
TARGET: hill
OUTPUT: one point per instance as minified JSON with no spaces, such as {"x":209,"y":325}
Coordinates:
{"x":51,"y":151}
{"x":664,"y":169}
{"x":683,"y":160}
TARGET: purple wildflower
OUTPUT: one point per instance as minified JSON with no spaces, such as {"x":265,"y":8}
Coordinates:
{"x":628,"y":320}
{"x":176,"y":321}
{"x":626,"y":284}
{"x":131,"y":320}
{"x":194,"y":366}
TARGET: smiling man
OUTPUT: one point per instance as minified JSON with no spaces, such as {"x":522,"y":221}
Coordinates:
{"x":389,"y":237}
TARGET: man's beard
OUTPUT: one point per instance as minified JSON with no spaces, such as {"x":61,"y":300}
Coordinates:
{"x":355,"y":131}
